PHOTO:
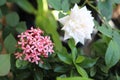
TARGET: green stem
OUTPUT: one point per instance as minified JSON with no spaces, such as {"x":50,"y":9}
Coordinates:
{"x":40,"y":6}
{"x":84,"y":3}
{"x":103,"y":18}
{"x":45,"y":6}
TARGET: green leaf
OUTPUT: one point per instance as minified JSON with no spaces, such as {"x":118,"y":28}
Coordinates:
{"x":11,"y":0}
{"x":61,"y":69}
{"x":6,"y":31}
{"x":65,"y":57}
{"x":65,"y":5}
{"x":93,"y":71}
{"x":1,"y":26}
{"x":4,"y":64}
{"x":99,"y":47}
{"x":112,"y":55}
{"x":56,"y":4}
{"x":88,"y":62}
{"x":25,"y":5}
{"x":3,"y":78}
{"x":105,"y":30}
{"x":74,"y":78}
{"x":74,"y":54}
{"x":2,"y":2}
{"x":105,"y":7}
{"x":116,"y":1}
{"x":4,"y":10}
{"x":12,"y":19}
{"x":73,"y":49}
{"x":45,"y":65}
{"x":38,"y":75}
{"x":61,"y":14}
{"x":71,"y":43}
{"x":80,"y":59}
{"x":0,"y":13}
{"x":23,"y":75}
{"x":81,"y":71}
{"x":0,"y":47}
{"x":21,"y":27}
{"x":103,"y":67}
{"x":10,"y":43}
{"x":116,"y":37}
{"x":75,"y":1}
{"x":117,"y":77}
{"x":21,"y":64}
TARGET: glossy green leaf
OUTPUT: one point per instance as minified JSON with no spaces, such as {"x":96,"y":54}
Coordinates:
{"x":21,"y":27}
{"x":99,"y":47}
{"x":75,"y":1}
{"x":38,"y":75}
{"x":12,"y":19}
{"x":3,"y":78}
{"x":0,"y":13}
{"x":93,"y":71}
{"x":56,"y":4}
{"x":60,"y":15}
{"x":21,"y":64}
{"x":0,"y":47}
{"x":45,"y":65}
{"x":61,"y":69}
{"x":88,"y":62}
{"x":23,"y":75}
{"x":65,"y":5}
{"x":2,"y":2}
{"x":65,"y":57}
{"x":74,"y":78}
{"x":40,"y":7}
{"x":25,"y":5}
{"x":1,"y":26}
{"x":105,"y":7}
{"x":116,"y":1}
{"x":81,"y":71}
{"x":103,"y":68}
{"x":117,"y":77}
{"x":105,"y":30}
{"x":71,"y":44}
{"x":116,"y":37}
{"x":10,"y":43}
{"x":63,"y":76}
{"x":4,"y":10}
{"x":112,"y":55}
{"x":80,"y":59}
{"x":6,"y":31}
{"x":11,"y":0}
{"x":4,"y":64}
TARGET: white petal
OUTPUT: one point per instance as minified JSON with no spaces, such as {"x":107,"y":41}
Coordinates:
{"x":79,"y":39}
{"x":64,"y":19}
{"x":75,"y":7}
{"x":66,"y":36}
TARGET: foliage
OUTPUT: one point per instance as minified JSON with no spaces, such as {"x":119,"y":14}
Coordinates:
{"x":66,"y":63}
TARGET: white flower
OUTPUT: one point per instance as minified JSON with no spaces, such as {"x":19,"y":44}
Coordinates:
{"x":78,"y":25}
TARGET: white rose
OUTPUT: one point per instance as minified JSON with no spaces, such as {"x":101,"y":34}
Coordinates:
{"x":78,"y":25}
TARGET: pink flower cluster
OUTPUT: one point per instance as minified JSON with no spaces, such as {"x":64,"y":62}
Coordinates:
{"x":34,"y":46}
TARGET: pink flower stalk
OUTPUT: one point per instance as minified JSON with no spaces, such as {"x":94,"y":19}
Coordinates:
{"x":34,"y":46}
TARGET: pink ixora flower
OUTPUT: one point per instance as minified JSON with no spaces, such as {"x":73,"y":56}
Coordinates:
{"x":34,"y":46}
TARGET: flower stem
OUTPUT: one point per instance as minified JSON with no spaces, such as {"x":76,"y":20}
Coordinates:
{"x":102,"y":17}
